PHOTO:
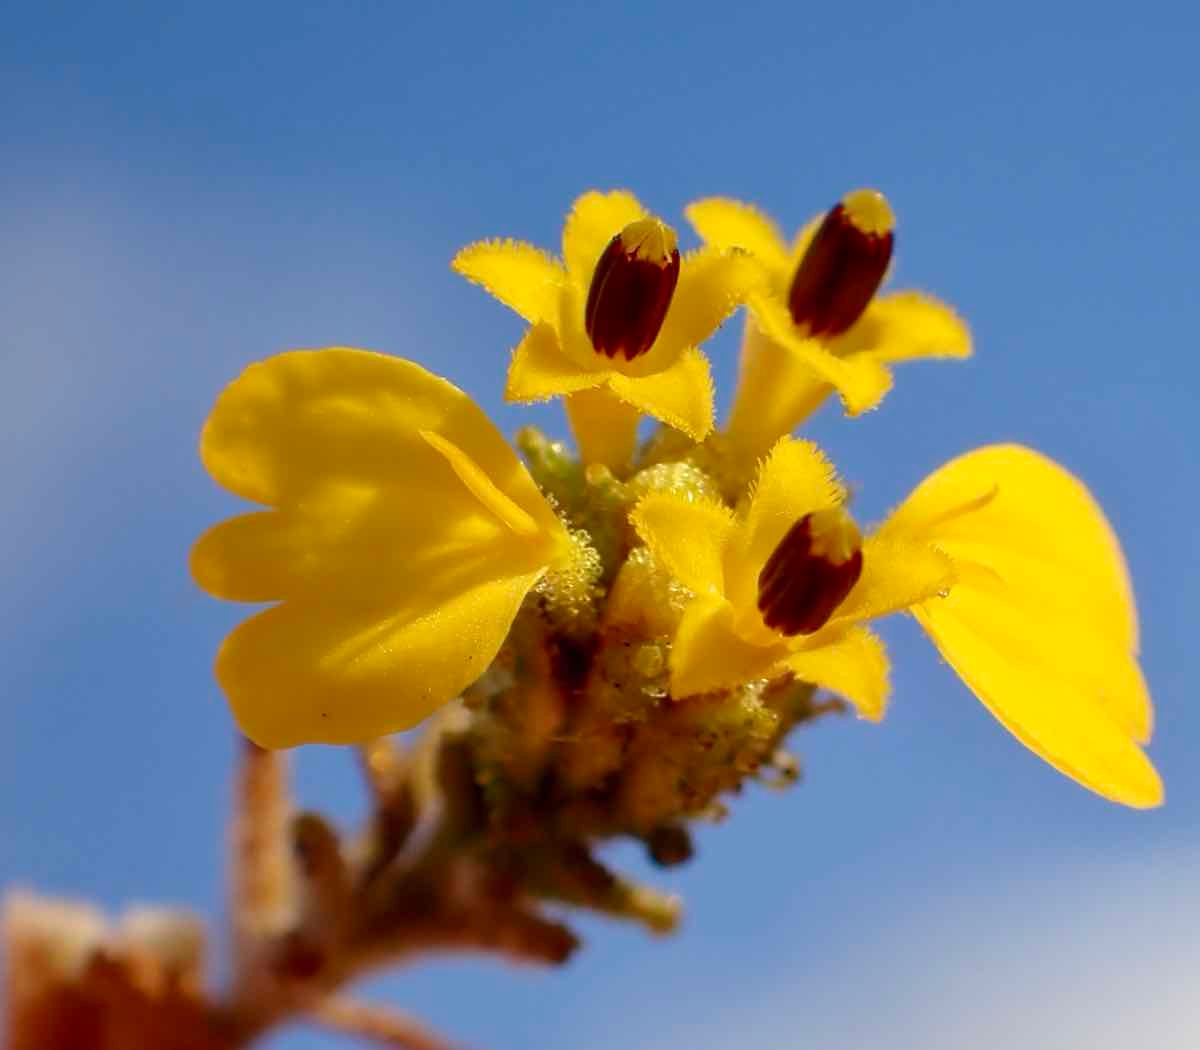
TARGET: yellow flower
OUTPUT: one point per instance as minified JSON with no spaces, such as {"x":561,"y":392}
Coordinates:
{"x":1002,"y":556}
{"x":616,"y":324}
{"x":402,"y":538}
{"x":750,"y":618}
{"x":1041,"y":622}
{"x":817,"y":323}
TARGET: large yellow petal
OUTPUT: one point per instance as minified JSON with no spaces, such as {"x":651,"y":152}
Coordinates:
{"x":1063,"y":645}
{"x":688,"y":536}
{"x":726,"y":223}
{"x":712,"y":284}
{"x":308,"y":423}
{"x":906,"y":325}
{"x":425,"y":533}
{"x":853,"y":664}
{"x":521,"y":276}
{"x":897,"y":574}
{"x":680,"y":396}
{"x":540,"y":370}
{"x":707,"y":654}
{"x":1054,"y":714}
{"x":595,"y":219}
{"x":1041,"y":623}
{"x":330,"y":670}
{"x":1030,"y":520}
{"x":861,"y":380}
{"x":406,"y":536}
{"x":266,"y":556}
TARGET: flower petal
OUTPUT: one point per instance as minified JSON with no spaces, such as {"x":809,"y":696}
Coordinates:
{"x":775,"y":393}
{"x":429,"y":534}
{"x":707,"y":654}
{"x":907,"y":325}
{"x":595,"y":219}
{"x":1053,"y":714}
{"x":260,"y":557}
{"x":688,"y":536}
{"x":540,"y":370}
{"x":406,"y":537}
{"x":521,"y":276}
{"x":680,"y":396}
{"x":712,"y":284}
{"x":1041,"y":623}
{"x":853,"y":665}
{"x":861,"y":380}
{"x":726,"y":223}
{"x":299,"y":425}
{"x":897,"y":574}
{"x":1031,"y":521}
{"x":328,"y":670}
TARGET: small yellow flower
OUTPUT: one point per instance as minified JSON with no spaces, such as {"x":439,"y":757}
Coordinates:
{"x":786,"y":585}
{"x":817,"y":323}
{"x":615,"y":325}
{"x":1002,"y":556}
{"x":1041,"y":622}
{"x":402,"y":537}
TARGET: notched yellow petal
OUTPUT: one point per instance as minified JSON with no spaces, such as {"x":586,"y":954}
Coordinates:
{"x":327,"y":670}
{"x":726,"y":223}
{"x":1041,"y":623}
{"x":521,"y":276}
{"x":406,"y":536}
{"x":688,"y":536}
{"x":854,"y":665}
{"x":260,"y":557}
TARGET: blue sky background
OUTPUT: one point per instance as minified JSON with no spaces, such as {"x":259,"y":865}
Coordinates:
{"x":185,"y":188}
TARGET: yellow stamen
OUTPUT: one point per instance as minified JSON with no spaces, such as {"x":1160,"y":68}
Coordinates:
{"x":484,"y":489}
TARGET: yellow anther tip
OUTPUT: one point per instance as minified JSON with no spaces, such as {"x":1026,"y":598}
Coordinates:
{"x":869,"y":211}
{"x":649,"y":239}
{"x":835,"y":536}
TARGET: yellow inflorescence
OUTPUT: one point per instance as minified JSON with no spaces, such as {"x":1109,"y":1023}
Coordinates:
{"x":656,"y":606}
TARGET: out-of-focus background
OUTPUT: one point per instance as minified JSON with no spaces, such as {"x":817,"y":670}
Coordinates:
{"x":186,"y":187}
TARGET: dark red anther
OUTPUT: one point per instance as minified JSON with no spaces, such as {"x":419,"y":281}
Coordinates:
{"x":810,"y":573}
{"x":844,"y":265}
{"x":631,"y":289}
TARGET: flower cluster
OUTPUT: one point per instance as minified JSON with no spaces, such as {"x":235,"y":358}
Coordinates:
{"x":634,"y":628}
